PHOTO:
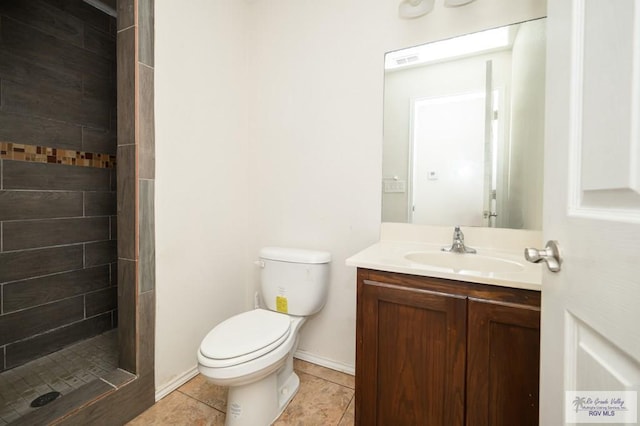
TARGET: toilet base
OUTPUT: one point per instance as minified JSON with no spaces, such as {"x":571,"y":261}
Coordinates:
{"x":261,"y":403}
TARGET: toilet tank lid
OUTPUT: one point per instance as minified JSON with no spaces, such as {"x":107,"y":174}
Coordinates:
{"x":295,"y":255}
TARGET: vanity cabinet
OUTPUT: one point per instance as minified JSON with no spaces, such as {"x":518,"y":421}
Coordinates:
{"x":431,"y":351}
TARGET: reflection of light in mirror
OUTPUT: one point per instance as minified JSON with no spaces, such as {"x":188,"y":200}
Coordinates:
{"x":446,"y":49}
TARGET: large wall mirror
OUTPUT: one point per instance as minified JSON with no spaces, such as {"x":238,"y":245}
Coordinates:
{"x":464,"y":130}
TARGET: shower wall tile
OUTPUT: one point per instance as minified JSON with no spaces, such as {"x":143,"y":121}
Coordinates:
{"x":58,"y":135}
{"x":100,"y":253}
{"x":41,"y":176}
{"x":49,"y":52}
{"x":57,"y":104}
{"x":88,"y":14}
{"x":147,"y":316}
{"x":46,"y":18}
{"x":127,"y":202}
{"x":101,"y":301}
{"x":145,"y":31}
{"x":38,"y":291}
{"x":100,"y":203}
{"x":20,"y":235}
{"x":146,"y":142}
{"x":113,"y":267}
{"x":126,"y":84}
{"x":18,"y":69}
{"x":100,"y":42}
{"x":127,"y":309}
{"x":39,"y":204}
{"x":114,"y":227}
{"x":113,"y":180}
{"x":147,"y":250}
{"x":29,"y":322}
{"x":96,"y":87}
{"x":126,"y":16}
{"x":99,"y":140}
{"x":43,"y":154}
{"x":40,"y":131}
{"x":32,"y":263}
{"x":26,"y":350}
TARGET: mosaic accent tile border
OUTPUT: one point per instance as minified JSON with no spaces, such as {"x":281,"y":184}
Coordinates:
{"x":43,"y":154}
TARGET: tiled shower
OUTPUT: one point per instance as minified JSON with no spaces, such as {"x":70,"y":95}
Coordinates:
{"x":58,"y":219}
{"x":77,"y":169}
{"x":57,"y":200}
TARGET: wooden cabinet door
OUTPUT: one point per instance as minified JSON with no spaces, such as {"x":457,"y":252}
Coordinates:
{"x":410,"y":356}
{"x":503,"y":353}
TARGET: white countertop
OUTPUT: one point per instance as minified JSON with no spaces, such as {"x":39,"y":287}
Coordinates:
{"x":397,"y":240}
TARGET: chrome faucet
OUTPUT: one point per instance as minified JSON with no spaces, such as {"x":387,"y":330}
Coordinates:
{"x":458,"y":243}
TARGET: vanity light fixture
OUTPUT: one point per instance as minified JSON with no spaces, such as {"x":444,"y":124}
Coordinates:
{"x":409,"y":9}
{"x":484,"y":41}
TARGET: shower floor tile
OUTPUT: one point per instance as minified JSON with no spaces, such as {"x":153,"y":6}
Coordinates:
{"x":62,"y":371}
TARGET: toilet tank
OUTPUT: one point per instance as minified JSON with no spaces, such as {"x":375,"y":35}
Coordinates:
{"x":294,"y":281}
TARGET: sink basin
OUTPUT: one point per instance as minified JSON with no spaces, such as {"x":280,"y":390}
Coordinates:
{"x":464,"y":262}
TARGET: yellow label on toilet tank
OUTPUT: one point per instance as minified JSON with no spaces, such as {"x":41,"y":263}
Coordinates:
{"x":281,"y":304}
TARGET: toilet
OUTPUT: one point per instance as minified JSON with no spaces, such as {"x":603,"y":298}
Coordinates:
{"x":252,"y":352}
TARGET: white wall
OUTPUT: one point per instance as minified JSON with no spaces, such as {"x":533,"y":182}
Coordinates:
{"x":527,"y":128}
{"x":201,"y":175}
{"x":286,"y":154}
{"x":315,"y":130}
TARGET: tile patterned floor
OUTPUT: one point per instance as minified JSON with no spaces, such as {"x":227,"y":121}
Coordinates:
{"x":325,"y":398}
{"x":62,"y":371}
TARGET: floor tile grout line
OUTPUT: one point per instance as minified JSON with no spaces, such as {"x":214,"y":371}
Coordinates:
{"x":199,"y":400}
{"x":330,"y":381}
{"x":327,"y":380}
{"x":344,"y":413}
{"x":335,"y":383}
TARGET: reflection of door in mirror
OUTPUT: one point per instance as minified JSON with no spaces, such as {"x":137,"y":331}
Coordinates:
{"x":448,"y":160}
{"x":479,"y":104}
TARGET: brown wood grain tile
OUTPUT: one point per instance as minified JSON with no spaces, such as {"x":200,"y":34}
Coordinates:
{"x":38,"y":291}
{"x":39,"y":204}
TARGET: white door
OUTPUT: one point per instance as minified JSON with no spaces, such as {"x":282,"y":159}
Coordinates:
{"x":591,"y":308}
{"x":448,"y":144}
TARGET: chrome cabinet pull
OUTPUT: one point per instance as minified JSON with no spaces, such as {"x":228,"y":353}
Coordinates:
{"x":550,"y":255}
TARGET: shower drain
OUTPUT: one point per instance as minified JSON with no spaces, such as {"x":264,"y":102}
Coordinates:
{"x":44,"y":399}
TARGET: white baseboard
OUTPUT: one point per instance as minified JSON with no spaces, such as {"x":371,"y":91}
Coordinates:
{"x":324,"y":362}
{"x":174,"y":384}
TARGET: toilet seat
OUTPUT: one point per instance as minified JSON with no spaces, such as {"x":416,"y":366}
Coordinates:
{"x":244,"y":337}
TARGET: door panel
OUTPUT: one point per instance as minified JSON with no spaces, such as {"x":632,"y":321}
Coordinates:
{"x":502,"y":364}
{"x":418,"y":372}
{"x":604,"y":146}
{"x":591,"y":202}
{"x":597,"y":362}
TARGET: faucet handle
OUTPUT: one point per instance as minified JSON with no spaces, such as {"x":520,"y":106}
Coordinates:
{"x":457,"y":233}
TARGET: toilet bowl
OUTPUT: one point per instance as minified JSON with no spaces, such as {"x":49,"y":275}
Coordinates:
{"x":252,"y":352}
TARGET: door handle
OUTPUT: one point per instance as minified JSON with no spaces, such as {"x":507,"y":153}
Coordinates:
{"x":550,"y":255}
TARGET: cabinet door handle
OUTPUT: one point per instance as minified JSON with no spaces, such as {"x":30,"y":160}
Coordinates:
{"x":550,"y":255}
